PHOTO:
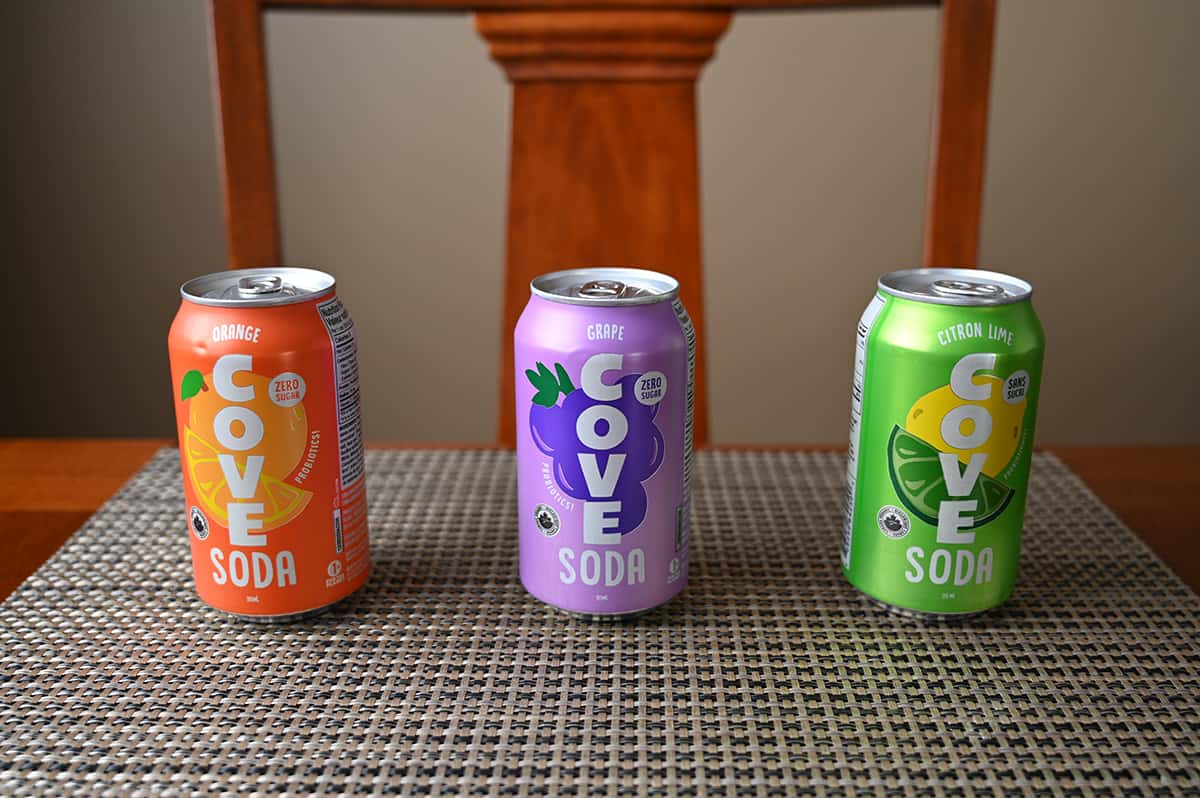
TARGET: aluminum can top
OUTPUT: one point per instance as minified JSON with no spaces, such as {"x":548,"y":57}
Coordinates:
{"x":257,"y":288}
{"x":609,"y":286}
{"x":967,"y":287}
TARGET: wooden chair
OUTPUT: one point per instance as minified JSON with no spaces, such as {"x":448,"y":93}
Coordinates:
{"x":620,"y":186}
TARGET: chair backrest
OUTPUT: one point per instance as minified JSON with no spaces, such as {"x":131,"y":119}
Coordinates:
{"x":603,"y":159}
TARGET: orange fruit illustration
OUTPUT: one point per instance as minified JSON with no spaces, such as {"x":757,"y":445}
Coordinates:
{"x":284,"y":441}
{"x":285,"y":429}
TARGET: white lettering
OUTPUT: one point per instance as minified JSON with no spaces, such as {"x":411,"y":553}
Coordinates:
{"x":241,"y":486}
{"x":591,"y":373}
{"x":964,"y":564}
{"x":240,"y":524}
{"x":252,"y":428}
{"x":938,"y":574}
{"x":981,"y":426}
{"x":596,"y":518}
{"x":951,"y":519}
{"x":218,"y":560}
{"x":235,"y":332}
{"x":285,"y":568}
{"x":958,"y":482}
{"x":637,"y":567}
{"x":961,"y":564}
{"x":589,"y":567}
{"x":601,"y":485}
{"x":223,"y":371}
{"x":614,"y":568}
{"x":962,"y":376}
{"x":260,"y":566}
{"x":983,"y":573}
{"x":565,"y":558}
{"x":585,"y":427}
{"x":915,"y":573}
{"x":263,"y":572}
{"x":596,"y":521}
{"x":606,"y":332}
{"x":239,"y":568}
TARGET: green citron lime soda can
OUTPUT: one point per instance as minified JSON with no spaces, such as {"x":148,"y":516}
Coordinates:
{"x":947,"y":371}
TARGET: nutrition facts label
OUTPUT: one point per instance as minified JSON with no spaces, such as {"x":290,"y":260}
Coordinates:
{"x":689,"y":335}
{"x":856,"y":402}
{"x":345,"y":362}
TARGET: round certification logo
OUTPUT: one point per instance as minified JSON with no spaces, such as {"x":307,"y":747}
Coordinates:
{"x":546,"y":519}
{"x":199,"y":523}
{"x":893,"y":521}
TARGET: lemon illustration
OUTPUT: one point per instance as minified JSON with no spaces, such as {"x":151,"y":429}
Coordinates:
{"x":926,"y":415}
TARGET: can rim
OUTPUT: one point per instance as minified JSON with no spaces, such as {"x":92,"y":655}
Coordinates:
{"x":1007,"y":289}
{"x":315,"y":283}
{"x":540,"y":286}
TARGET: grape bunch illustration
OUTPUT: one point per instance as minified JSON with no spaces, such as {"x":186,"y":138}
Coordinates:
{"x":552,"y":426}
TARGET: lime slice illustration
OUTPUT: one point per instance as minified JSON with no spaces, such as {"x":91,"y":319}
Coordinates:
{"x":917,"y":477}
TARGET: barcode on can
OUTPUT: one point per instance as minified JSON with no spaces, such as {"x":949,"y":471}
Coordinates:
{"x":338,"y":544}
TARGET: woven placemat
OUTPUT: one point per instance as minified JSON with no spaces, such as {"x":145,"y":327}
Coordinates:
{"x":770,"y":676}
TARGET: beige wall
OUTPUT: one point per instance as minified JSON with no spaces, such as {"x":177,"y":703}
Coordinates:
{"x":814,"y":136}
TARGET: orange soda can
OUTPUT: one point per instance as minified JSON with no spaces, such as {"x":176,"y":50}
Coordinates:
{"x":264,"y":369}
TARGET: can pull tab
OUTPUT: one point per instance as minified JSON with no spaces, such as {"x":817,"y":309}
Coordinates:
{"x":602,"y":288}
{"x":259,"y":285}
{"x":966,"y":288}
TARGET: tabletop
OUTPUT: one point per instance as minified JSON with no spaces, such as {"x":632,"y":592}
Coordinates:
{"x":49,"y":487}
{"x":768,"y":676}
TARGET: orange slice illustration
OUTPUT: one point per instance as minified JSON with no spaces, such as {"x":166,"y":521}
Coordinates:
{"x":281,"y":502}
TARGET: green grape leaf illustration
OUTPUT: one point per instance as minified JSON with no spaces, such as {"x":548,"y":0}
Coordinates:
{"x":564,"y":382}
{"x":549,"y":384}
{"x":192,"y":384}
{"x":545,"y":383}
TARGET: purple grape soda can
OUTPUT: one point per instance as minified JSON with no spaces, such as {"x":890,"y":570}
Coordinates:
{"x":604,"y":379}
